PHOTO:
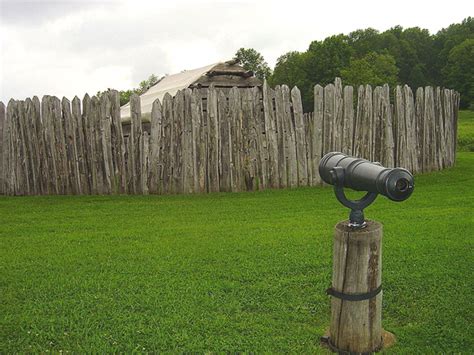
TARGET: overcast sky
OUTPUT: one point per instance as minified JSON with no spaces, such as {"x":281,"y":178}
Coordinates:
{"x":68,"y":48}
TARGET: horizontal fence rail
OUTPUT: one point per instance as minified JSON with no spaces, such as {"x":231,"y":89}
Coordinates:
{"x":244,"y":139}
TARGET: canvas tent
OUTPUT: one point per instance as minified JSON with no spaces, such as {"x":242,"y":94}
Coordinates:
{"x":223,"y":75}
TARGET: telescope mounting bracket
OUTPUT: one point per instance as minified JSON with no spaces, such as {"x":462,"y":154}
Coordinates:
{"x":356,"y":217}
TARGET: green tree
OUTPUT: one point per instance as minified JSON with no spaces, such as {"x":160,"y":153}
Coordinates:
{"x":374,"y":69}
{"x":413,"y":49}
{"x":254,"y":61}
{"x":448,"y":38}
{"x":408,"y":56}
{"x":320,"y":64}
{"x":148,"y":83}
{"x":459,"y":71}
{"x":125,"y":96}
{"x":364,"y":41}
{"x":326,"y":59}
{"x":142,"y":88}
{"x":290,"y":69}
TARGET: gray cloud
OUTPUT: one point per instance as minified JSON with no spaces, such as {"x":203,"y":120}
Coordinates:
{"x":147,"y":60}
{"x":156,"y":25}
{"x":72,"y":47}
{"x":34,"y":12}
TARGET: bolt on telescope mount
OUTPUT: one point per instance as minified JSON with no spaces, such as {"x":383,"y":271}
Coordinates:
{"x":356,"y":217}
{"x":341,"y":170}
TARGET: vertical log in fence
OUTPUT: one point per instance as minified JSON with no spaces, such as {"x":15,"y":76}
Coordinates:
{"x":245,"y":139}
{"x":3,"y":149}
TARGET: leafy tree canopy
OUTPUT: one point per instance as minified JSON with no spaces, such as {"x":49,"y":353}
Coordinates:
{"x":254,"y":61}
{"x":374,"y":69}
{"x":459,"y":70}
{"x":410,"y":56}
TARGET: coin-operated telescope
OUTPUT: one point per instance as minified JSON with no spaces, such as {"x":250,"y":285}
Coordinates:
{"x":342,"y":171}
{"x":356,"y":288}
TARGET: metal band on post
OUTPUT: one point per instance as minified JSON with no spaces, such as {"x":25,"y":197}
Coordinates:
{"x":354,"y":297}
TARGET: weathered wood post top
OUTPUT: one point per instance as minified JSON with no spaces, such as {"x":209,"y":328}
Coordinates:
{"x":356,"y":290}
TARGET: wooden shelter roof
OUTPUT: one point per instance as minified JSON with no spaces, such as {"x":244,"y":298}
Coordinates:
{"x":223,"y":74}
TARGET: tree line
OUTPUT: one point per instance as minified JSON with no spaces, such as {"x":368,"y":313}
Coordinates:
{"x":409,"y":56}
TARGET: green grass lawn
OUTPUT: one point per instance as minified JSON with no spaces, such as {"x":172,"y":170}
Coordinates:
{"x":466,"y":131}
{"x":228,"y":272}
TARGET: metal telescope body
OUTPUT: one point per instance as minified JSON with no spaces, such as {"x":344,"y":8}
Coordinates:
{"x":341,"y":170}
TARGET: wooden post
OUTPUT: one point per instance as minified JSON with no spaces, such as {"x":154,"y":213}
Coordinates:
{"x":419,"y":120}
{"x":213,"y":140}
{"x":199,"y":141}
{"x":106,"y":144}
{"x":358,"y":124}
{"x":377,"y":123}
{"x":32,"y":145}
{"x":249,"y":135}
{"x":400,"y":128}
{"x":290,"y":139}
{"x":188,"y":145}
{"x":271,"y":135}
{"x":6,"y":153}
{"x":225,"y":141}
{"x":261,"y":161}
{"x":135,"y":140}
{"x":388,"y":145}
{"x":3,"y":149}
{"x":301,"y":159}
{"x":348,"y":120}
{"x":71,"y":147}
{"x":308,"y":119}
{"x":367,"y":124}
{"x":411,"y":129}
{"x":168,"y":144}
{"x":439,"y":130}
{"x":81,"y":147}
{"x":24,"y":148}
{"x":328,"y":118}
{"x":89,"y":148}
{"x":237,"y":177}
{"x":429,"y":149}
{"x":356,"y":326}
{"x":338,"y":117}
{"x":177,"y":140}
{"x":318,"y":130}
{"x":144,"y":162}
{"x":97,"y":156}
{"x":155,"y":181}
{"x":118,"y":145}
{"x":49,"y":141}
{"x":281,"y":137}
{"x":61,"y":154}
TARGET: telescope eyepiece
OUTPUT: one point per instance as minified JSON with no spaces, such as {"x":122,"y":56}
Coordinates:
{"x":398,"y":184}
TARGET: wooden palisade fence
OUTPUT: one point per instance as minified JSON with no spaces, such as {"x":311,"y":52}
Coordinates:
{"x":251,"y":139}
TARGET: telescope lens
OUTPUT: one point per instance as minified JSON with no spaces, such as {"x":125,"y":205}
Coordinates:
{"x":402,"y":185}
{"x":398,"y":184}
